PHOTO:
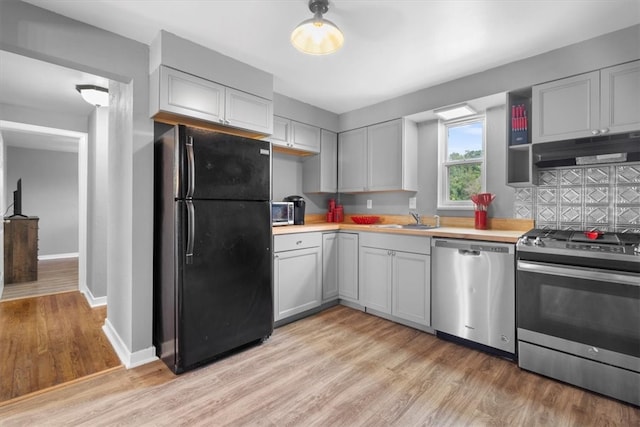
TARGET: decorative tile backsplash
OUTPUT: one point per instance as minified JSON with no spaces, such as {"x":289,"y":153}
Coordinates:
{"x":605,"y":197}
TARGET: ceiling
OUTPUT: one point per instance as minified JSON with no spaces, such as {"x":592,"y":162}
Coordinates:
{"x":41,"y":86}
{"x":392,"y":47}
{"x":40,"y":141}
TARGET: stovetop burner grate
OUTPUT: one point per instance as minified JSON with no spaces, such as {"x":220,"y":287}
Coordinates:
{"x":607,"y":238}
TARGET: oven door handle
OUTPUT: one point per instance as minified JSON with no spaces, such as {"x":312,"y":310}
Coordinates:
{"x":580,"y":273}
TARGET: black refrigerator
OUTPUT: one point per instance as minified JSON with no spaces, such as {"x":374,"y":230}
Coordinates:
{"x":212,"y":245}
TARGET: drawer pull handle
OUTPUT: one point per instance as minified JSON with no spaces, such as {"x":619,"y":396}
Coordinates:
{"x":299,"y":242}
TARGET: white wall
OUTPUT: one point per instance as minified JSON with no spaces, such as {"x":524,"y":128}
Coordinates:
{"x":50,"y":192}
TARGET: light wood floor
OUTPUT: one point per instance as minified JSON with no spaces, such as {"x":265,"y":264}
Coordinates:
{"x":54,"y":276}
{"x":49,"y":340}
{"x":339,"y":368}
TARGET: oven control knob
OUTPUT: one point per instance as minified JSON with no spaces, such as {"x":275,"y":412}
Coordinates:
{"x":538,"y":242}
{"x":524,"y":240}
{"x":636,"y":250}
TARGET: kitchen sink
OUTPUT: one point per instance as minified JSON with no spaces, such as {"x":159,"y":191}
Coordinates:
{"x":407,"y":226}
{"x":418,"y":226}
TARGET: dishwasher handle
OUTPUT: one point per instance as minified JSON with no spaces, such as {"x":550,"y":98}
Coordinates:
{"x":468,"y":252}
{"x":473,"y":247}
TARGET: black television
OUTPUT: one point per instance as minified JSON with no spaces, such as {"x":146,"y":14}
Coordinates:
{"x":17,"y":201}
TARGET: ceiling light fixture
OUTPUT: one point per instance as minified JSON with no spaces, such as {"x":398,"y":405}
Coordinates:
{"x":94,"y":95}
{"x":317,"y":36}
{"x":454,"y":112}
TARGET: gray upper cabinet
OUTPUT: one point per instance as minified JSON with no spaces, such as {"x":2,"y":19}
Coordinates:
{"x":590,"y":104}
{"x":295,"y":135}
{"x":352,"y":161}
{"x":567,"y":108}
{"x":246,"y":111}
{"x":320,"y":172}
{"x":281,"y":131}
{"x":178,"y":93}
{"x":381,"y":157}
{"x":620,"y":97}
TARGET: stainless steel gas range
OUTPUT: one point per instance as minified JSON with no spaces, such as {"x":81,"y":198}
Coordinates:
{"x":578,"y":309}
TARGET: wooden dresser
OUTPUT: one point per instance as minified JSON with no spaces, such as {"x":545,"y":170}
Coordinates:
{"x":20,"y":249}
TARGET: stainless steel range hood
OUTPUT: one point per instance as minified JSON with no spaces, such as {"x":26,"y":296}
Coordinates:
{"x":597,"y":150}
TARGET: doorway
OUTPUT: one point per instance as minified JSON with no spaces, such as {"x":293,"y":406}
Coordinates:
{"x":34,"y":147}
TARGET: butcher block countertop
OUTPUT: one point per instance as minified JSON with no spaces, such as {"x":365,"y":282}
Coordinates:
{"x":505,"y":230}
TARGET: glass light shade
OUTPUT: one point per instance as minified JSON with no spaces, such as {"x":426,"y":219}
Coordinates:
{"x":94,"y":95}
{"x":317,"y":37}
{"x":455,"y":112}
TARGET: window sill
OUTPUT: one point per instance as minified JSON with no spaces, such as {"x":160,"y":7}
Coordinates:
{"x":468,"y":207}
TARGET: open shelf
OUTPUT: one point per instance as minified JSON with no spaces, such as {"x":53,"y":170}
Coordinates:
{"x":520,"y":169}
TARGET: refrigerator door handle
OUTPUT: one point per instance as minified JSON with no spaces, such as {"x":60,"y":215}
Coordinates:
{"x":191,"y":168}
{"x":191,"y":231}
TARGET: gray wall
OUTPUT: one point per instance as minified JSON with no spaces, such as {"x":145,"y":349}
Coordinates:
{"x":97,"y":206}
{"x":51,"y":119}
{"x":287,"y":169}
{"x":40,"y":34}
{"x":427,"y":194}
{"x":301,"y":112}
{"x":286,"y":177}
{"x":37,"y":33}
{"x":50,"y":192}
{"x":609,"y":49}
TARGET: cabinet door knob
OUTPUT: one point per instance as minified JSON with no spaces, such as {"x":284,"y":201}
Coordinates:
{"x":299,"y":242}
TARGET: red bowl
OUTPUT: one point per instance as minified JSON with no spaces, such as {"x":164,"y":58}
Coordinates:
{"x":593,"y":235}
{"x":365,"y":219}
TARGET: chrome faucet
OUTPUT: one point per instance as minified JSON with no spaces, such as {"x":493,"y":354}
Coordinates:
{"x":437,"y":218}
{"x":415,"y":216}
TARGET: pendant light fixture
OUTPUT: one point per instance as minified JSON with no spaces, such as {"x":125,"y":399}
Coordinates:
{"x":317,"y":36}
{"x":94,"y":95}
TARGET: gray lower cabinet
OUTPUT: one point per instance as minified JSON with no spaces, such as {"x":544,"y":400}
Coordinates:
{"x":411,"y":290}
{"x":348,"y":248}
{"x":376,"y":266}
{"x":395,"y":276}
{"x":340,"y":266}
{"x":330,"y":260}
{"x":297,"y":273}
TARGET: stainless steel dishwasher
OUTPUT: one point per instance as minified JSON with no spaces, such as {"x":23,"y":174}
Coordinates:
{"x":473,"y":292}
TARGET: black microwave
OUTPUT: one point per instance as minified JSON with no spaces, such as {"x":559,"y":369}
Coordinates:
{"x":282,"y":213}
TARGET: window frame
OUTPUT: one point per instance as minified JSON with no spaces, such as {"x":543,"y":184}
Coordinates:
{"x":443,"y":164}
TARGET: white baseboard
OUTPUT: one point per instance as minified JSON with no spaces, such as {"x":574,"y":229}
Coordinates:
{"x":128,"y":359}
{"x":58,"y":256}
{"x":93,"y":301}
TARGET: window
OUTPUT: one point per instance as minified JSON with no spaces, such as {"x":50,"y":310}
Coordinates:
{"x":461,"y":165}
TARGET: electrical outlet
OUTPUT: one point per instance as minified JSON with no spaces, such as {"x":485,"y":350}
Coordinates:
{"x":369,"y":203}
{"x":412,"y":203}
